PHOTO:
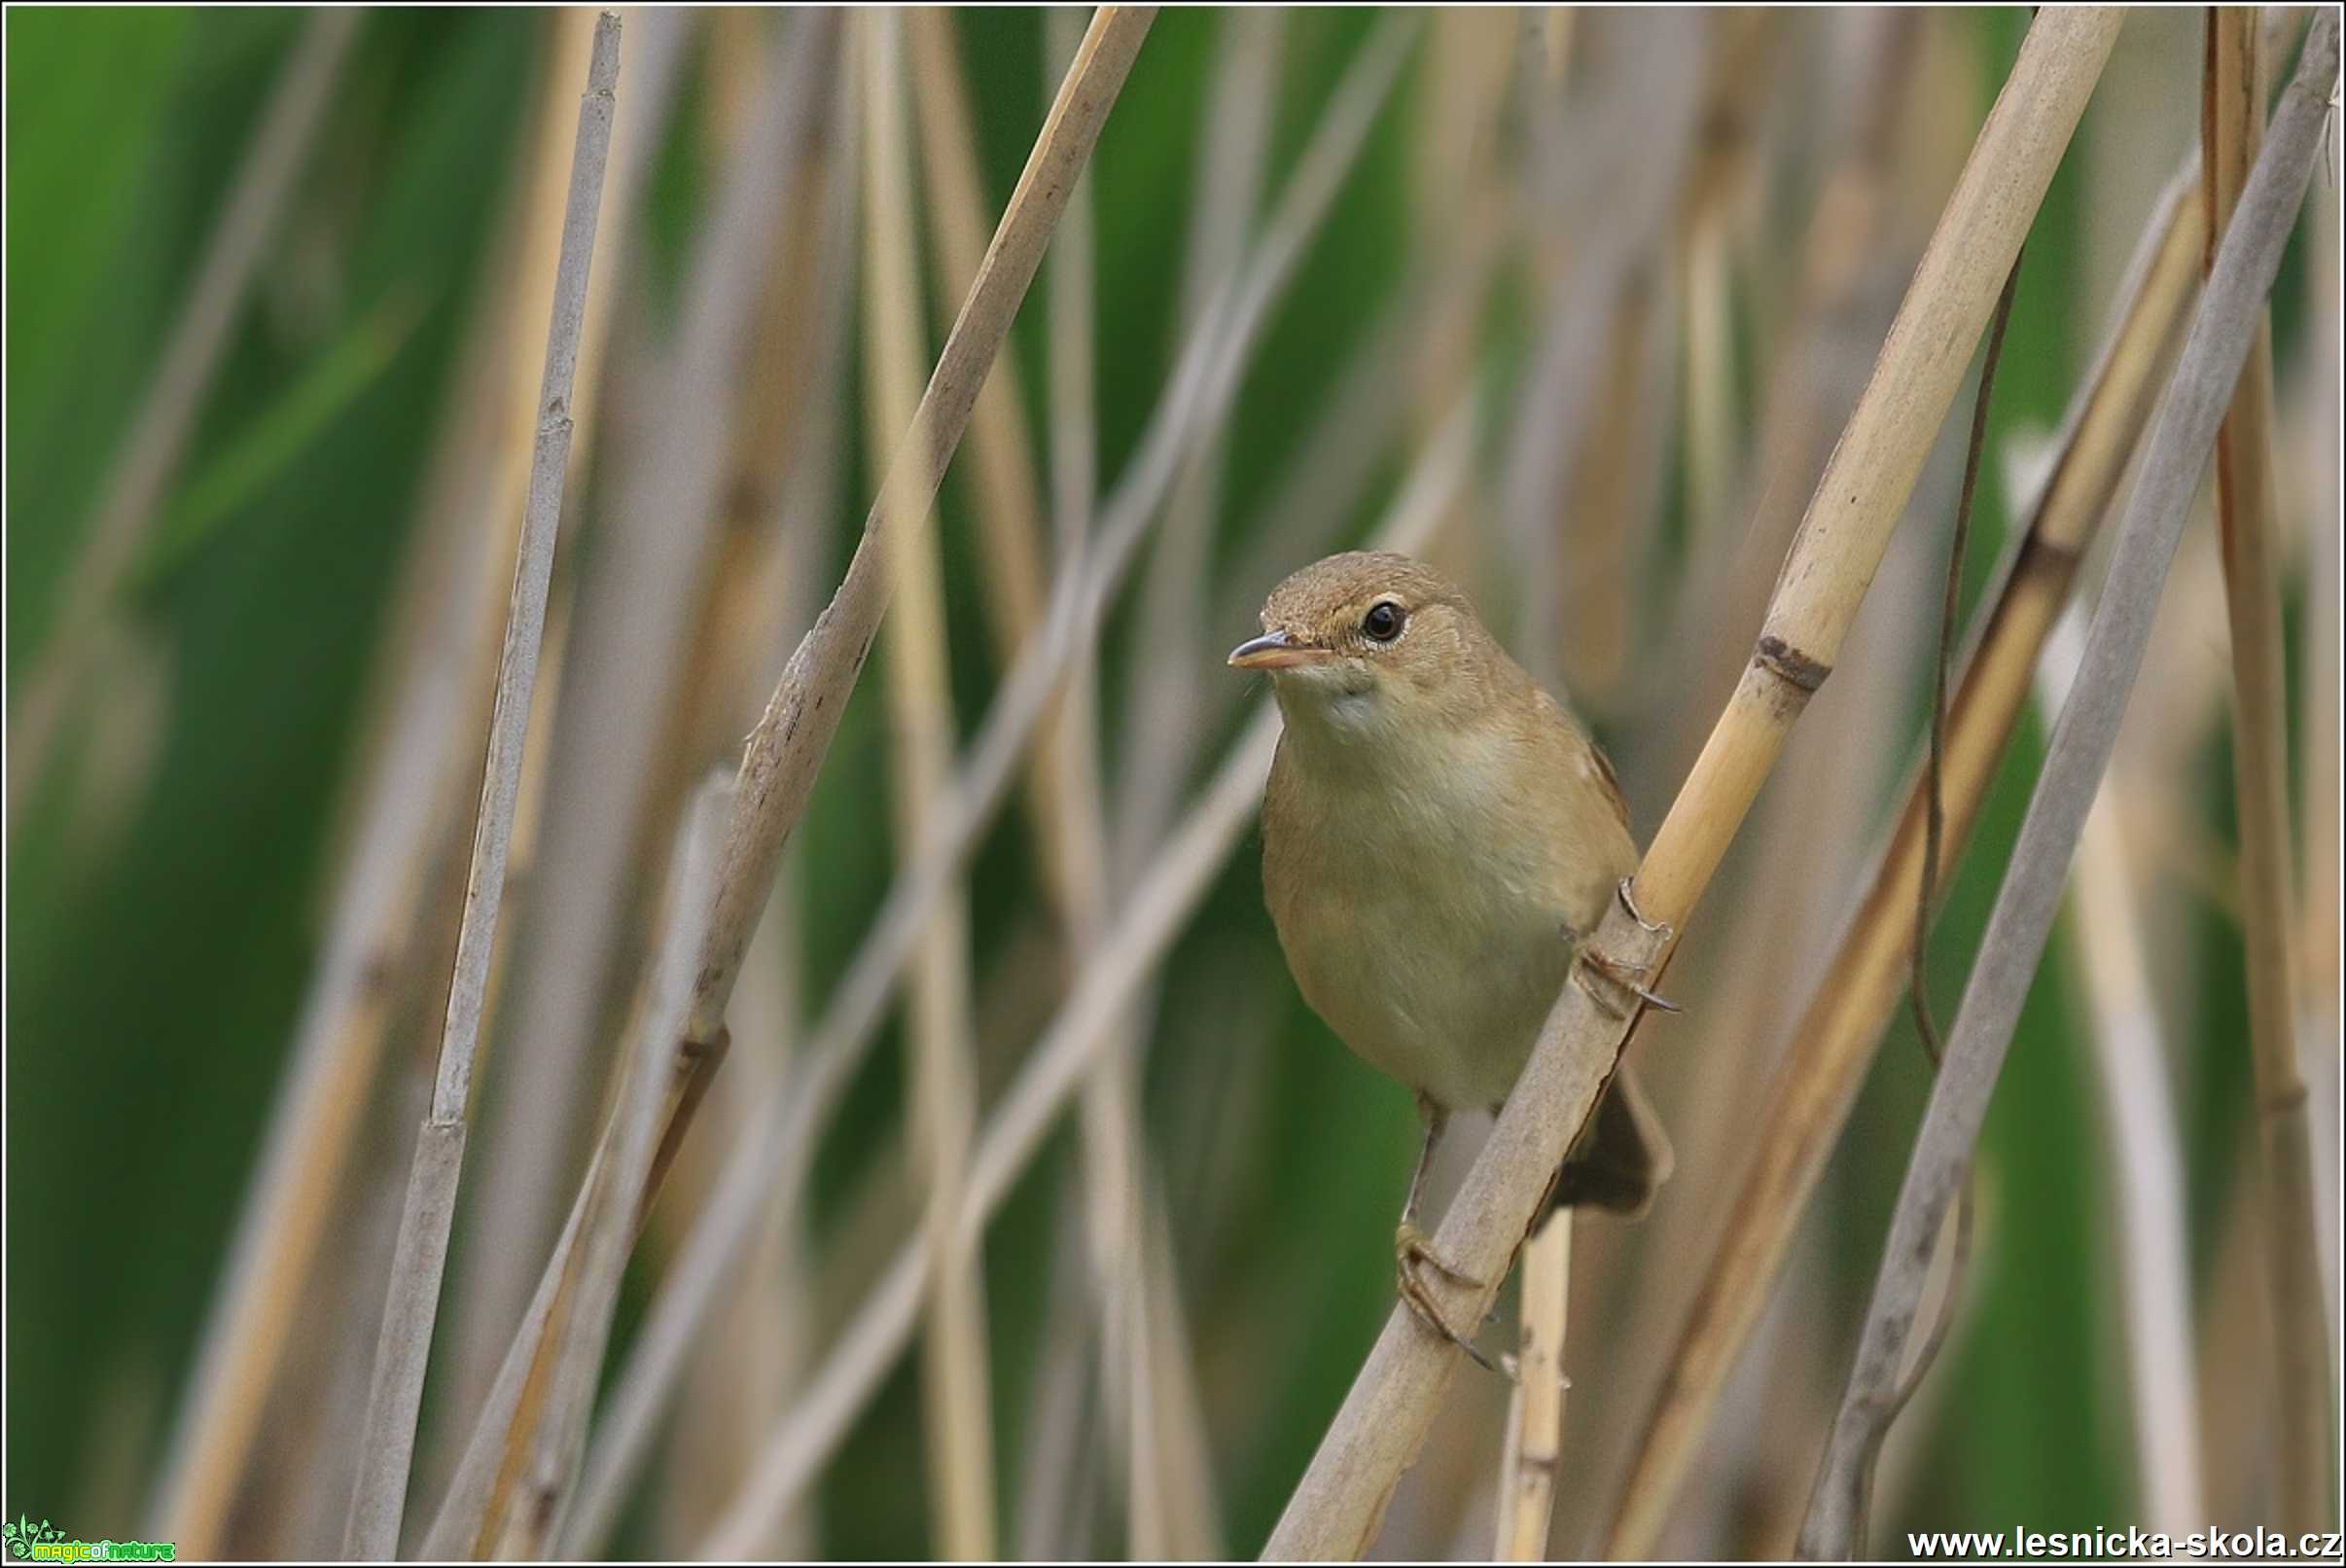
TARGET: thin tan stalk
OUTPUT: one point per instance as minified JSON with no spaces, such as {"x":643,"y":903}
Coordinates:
{"x":1458,"y":193}
{"x":1630,"y":199}
{"x":1160,"y":698}
{"x":2144,"y":1138}
{"x":1068,"y":749}
{"x":2321,"y":703}
{"x":410,"y":816}
{"x":2229,"y":322}
{"x":1535,"y":1448}
{"x":635,"y":598}
{"x":1145,"y":928}
{"x":1063,"y":784}
{"x":150,"y":453}
{"x":777,"y":1150}
{"x":2231,"y":124}
{"x":781,"y":1141}
{"x":1833,"y":1044}
{"x":1000,"y":447}
{"x":955,"y":1384}
{"x":388,"y":1435}
{"x":543,"y":1489}
{"x":785,"y":750}
{"x":1335,"y":1510}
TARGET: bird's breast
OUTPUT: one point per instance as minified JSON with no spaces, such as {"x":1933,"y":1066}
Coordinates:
{"x":1424,"y":915}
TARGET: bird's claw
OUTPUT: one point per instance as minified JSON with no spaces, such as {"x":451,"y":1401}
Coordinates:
{"x":1413,"y":1256}
{"x":1622,"y":975}
{"x":1624,"y":891}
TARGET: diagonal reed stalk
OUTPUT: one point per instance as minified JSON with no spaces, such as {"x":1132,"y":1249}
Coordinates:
{"x":2143,"y":1134}
{"x":785,"y":752}
{"x":1128,"y":954}
{"x":1336,"y":1507}
{"x":1833,"y":1044}
{"x":1067,"y":751}
{"x":2229,"y":322}
{"x":1063,"y":788}
{"x":637,"y":591}
{"x":542,"y":1486}
{"x":142,"y":469}
{"x":777,"y":1144}
{"x":956,"y":1389}
{"x":2231,"y":124}
{"x":413,"y":803}
{"x":1534,"y":1436}
{"x":389,"y":1435}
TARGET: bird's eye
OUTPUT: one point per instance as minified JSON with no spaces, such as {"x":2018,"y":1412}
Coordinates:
{"x":1383,"y":622}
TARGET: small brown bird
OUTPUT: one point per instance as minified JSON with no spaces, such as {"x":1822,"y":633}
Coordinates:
{"x":1438,"y":840}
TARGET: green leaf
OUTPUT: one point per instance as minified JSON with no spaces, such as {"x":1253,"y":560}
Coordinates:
{"x":251,"y":461}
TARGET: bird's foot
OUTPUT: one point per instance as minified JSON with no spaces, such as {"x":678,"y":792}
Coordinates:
{"x":1623,"y":976}
{"x":1413,"y":1259}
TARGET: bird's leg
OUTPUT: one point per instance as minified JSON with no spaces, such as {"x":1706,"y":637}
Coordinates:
{"x":1625,"y":976}
{"x":1413,"y":1250}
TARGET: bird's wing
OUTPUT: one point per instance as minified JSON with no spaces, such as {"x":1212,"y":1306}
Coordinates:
{"x":1613,"y":785}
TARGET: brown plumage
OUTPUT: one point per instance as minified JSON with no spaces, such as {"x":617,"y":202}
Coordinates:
{"x":1438,"y":836}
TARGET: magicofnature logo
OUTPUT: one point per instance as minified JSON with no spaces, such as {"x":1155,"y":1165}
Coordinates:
{"x":26,"y":1541}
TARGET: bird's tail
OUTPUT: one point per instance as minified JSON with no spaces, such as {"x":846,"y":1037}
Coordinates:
{"x":1621,"y":1157}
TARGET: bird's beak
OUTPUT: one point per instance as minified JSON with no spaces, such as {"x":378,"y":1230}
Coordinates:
{"x":1274,"y":649}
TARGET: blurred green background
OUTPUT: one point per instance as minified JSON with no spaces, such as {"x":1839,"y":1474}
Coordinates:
{"x":167,"y":883}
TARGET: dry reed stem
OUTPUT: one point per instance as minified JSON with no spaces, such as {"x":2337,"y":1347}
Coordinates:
{"x":490,"y":1467}
{"x":1063,"y":784}
{"x":630,"y":1143}
{"x":1004,"y":491}
{"x":142,"y":467}
{"x":956,"y":1390}
{"x":655,"y":62}
{"x":1145,"y":928}
{"x":1335,"y":1510}
{"x":778,"y":766}
{"x":635,"y":600}
{"x":1068,"y":750}
{"x":2146,"y":1140}
{"x":779,"y":1142}
{"x":1833,"y":1044}
{"x":2318,"y":961}
{"x":2219,"y":341}
{"x":2232,"y":122}
{"x":1169,"y":1507}
{"x":1161,"y":699}
{"x":1535,"y":1450}
{"x":776,"y":1150}
{"x":1630,"y":198}
{"x":410,"y":804}
{"x":387,"y":1442}
{"x":339,"y":1035}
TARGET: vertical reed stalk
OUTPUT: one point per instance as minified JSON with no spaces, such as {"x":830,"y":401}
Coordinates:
{"x":2147,"y":1156}
{"x":1335,"y":1510}
{"x":1128,"y":952}
{"x":955,"y":1387}
{"x":1832,"y":1047}
{"x":2229,"y":322}
{"x":543,"y":1489}
{"x":635,"y":598}
{"x":388,"y":1439}
{"x":2231,"y":124}
{"x":1535,"y":1450}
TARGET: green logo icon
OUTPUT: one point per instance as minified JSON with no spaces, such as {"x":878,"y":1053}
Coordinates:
{"x":24,"y":1541}
{"x":20,"y":1535}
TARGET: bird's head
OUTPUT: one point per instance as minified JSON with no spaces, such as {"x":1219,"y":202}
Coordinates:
{"x":1363,"y":642}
